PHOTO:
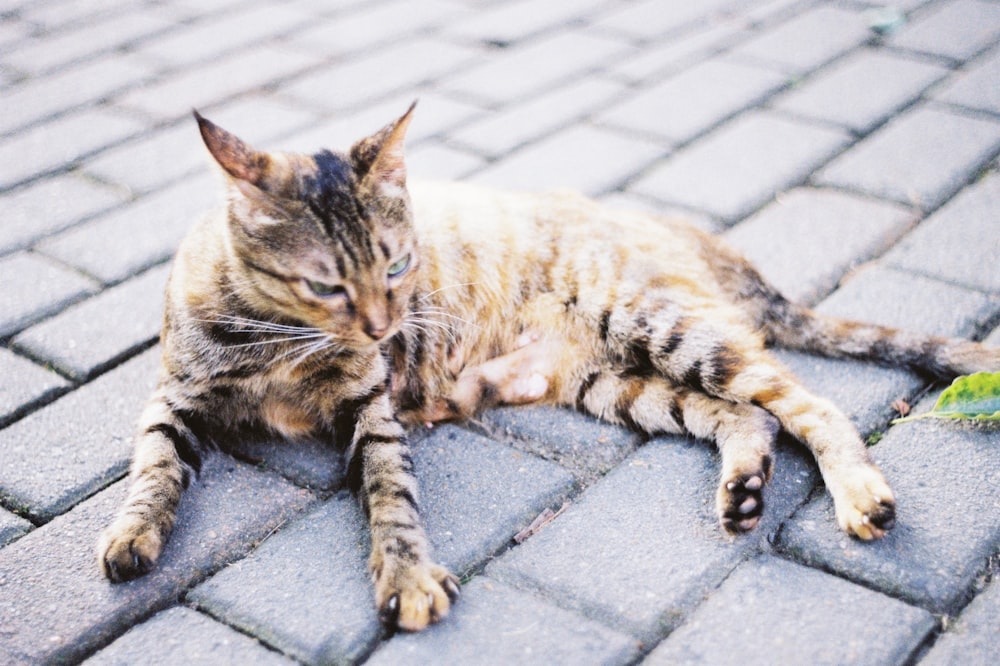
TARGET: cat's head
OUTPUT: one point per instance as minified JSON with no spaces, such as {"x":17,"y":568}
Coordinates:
{"x":324,"y":239}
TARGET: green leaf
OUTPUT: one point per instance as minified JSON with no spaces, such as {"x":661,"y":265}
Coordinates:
{"x":974,"y":397}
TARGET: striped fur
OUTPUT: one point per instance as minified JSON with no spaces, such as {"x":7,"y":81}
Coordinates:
{"x":331,"y":299}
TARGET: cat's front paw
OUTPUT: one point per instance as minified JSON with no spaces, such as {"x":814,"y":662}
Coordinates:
{"x":864,"y":503}
{"x":412,"y":597}
{"x":128,"y":549}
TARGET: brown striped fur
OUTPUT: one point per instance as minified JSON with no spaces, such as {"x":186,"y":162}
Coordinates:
{"x":332,"y":299}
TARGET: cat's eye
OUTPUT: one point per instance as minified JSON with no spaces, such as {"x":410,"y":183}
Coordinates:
{"x":399,"y":267}
{"x":324,"y":290}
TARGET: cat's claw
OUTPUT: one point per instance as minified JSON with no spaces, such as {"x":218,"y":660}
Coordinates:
{"x":865,"y":505}
{"x":128,"y":552}
{"x":413,"y":598}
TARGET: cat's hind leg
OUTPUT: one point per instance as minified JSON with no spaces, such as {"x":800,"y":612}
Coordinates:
{"x":743,"y":433}
{"x":709,"y":351}
{"x":863,"y":501}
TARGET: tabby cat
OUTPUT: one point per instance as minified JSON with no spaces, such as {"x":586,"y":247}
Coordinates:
{"x":331,"y":300}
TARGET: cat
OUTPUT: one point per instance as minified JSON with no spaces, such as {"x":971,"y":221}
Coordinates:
{"x":331,"y":299}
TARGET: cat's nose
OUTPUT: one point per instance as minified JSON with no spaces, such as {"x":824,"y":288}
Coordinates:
{"x":376,"y":330}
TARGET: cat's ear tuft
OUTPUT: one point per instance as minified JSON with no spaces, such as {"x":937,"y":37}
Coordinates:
{"x":236,"y":158}
{"x":379,"y":158}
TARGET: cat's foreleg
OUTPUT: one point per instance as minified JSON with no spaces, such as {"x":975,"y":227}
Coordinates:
{"x":744,"y":433}
{"x":520,"y":377}
{"x":165,"y":455}
{"x":411,"y":591}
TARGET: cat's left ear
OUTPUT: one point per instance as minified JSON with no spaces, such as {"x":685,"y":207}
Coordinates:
{"x":379,"y":157}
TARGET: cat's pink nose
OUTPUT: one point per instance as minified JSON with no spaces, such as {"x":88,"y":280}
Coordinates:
{"x":376,"y":331}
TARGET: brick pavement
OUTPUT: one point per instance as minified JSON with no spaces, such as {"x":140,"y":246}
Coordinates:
{"x":860,"y":172}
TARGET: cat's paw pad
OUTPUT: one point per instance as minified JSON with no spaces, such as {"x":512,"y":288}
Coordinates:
{"x":740,"y":502}
{"x":415,"y":597}
{"x":865,"y":504}
{"x":127,"y":550}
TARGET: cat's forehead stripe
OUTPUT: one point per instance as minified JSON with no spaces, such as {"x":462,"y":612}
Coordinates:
{"x":331,"y":194}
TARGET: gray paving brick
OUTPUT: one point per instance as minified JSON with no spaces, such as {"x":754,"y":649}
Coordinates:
{"x":60,"y":143}
{"x":685,"y":105}
{"x":583,"y":157}
{"x":510,"y":22}
{"x":25,"y":385}
{"x":587,"y":447}
{"x":42,"y":97}
{"x":807,"y":239}
{"x":53,"y":15}
{"x":222,"y":33}
{"x":215,"y":81}
{"x":89,"y":337}
{"x":12,"y":527}
{"x":920,"y":158}
{"x":683,"y":50}
{"x":375,"y":24}
{"x":896,"y":298}
{"x":642,"y":546}
{"x":35,"y":287}
{"x":808,"y":40}
{"x":476,"y":495}
{"x":956,"y":30}
{"x":151,"y":161}
{"x":441,"y":162}
{"x":168,"y":155}
{"x":49,"y":206}
{"x":633,"y":201}
{"x":434,"y":115}
{"x":181,"y":635}
{"x":778,"y":612}
{"x":864,"y":391}
{"x":536,"y":66}
{"x":647,"y":19}
{"x":502,"y":131}
{"x":400,"y":66}
{"x":975,"y":637}
{"x":935,"y":553}
{"x":115,"y":32}
{"x":132,"y":238}
{"x":862,"y":90}
{"x":319,"y":612}
{"x":309,"y":464}
{"x":959,"y":242}
{"x":494,"y":619}
{"x":732,"y":171}
{"x":975,"y":87}
{"x":65,"y":452}
{"x":222,"y":517}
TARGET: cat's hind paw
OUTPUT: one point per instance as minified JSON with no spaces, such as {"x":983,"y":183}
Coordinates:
{"x":740,"y":503}
{"x":864,"y":504}
{"x":415,"y":597}
{"x":127,"y":550}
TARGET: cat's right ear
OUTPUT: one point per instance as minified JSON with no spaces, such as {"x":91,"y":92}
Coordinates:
{"x":246,"y":165}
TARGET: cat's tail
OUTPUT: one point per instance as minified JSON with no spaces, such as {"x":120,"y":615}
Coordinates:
{"x":797,"y":327}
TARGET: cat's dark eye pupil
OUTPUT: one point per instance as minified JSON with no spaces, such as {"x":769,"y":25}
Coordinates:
{"x":325,"y":290}
{"x":399,"y":267}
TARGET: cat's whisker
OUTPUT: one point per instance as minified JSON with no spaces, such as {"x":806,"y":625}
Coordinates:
{"x":256,"y":325}
{"x":447,"y":286}
{"x":444,"y":313}
{"x":274,"y":341}
{"x":313,"y":348}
